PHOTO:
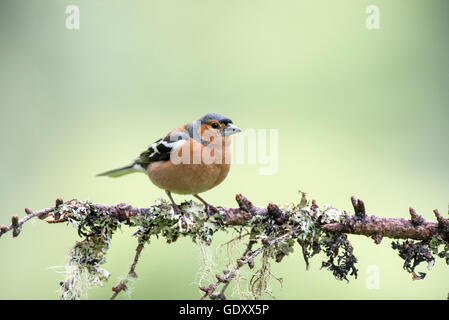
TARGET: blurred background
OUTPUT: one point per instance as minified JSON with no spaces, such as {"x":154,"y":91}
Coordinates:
{"x":359,"y":112}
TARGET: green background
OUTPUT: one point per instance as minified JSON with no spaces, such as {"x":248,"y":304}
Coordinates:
{"x":359,"y":112}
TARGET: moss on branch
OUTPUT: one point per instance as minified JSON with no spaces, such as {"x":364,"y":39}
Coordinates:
{"x":274,"y":232}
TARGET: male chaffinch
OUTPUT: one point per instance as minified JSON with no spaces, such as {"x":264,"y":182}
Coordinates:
{"x":190,"y":159}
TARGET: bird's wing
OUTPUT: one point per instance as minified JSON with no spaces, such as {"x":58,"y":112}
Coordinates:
{"x":161,"y":149}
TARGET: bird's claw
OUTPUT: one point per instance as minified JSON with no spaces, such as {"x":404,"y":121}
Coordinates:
{"x":211,"y":210}
{"x":177,"y":210}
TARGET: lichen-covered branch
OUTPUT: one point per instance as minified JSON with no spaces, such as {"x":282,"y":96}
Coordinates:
{"x":247,"y":258}
{"x":397,"y":228}
{"x":123,"y":285}
{"x":276,"y":229}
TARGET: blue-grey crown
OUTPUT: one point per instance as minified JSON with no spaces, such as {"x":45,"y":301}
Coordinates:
{"x":215,"y":116}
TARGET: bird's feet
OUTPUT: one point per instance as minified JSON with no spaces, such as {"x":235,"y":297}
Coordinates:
{"x":176,"y":209}
{"x":184,"y":223}
{"x":211,"y":210}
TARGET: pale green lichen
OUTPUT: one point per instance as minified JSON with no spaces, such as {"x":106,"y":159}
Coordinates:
{"x":97,"y":227}
{"x":331,"y":215}
{"x":208,"y":265}
{"x":260,"y":281}
{"x":83,"y":268}
{"x":443,"y":252}
{"x":86,"y":257}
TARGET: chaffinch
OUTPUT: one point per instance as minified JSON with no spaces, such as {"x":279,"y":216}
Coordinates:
{"x":190,"y":159}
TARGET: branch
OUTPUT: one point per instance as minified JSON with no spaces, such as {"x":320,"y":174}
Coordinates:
{"x":276,"y":228}
{"x":209,"y":291}
{"x":131,"y":274}
{"x":371,"y":226}
{"x":395,"y":228}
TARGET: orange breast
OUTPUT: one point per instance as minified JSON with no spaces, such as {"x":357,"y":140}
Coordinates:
{"x":187,"y":177}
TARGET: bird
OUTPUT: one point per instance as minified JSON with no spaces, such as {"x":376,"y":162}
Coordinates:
{"x":189,"y":160}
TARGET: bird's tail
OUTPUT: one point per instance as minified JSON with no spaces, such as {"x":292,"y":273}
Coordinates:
{"x":134,"y":167}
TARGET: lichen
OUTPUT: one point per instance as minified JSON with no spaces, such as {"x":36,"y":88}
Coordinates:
{"x":85,"y":259}
{"x":278,"y":232}
{"x":435,"y":244}
{"x":415,"y":252}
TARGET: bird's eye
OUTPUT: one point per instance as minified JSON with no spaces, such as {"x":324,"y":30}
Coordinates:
{"x":215,"y":125}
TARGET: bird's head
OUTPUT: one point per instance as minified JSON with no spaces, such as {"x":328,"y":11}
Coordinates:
{"x":214,"y":127}
{"x":219,"y":123}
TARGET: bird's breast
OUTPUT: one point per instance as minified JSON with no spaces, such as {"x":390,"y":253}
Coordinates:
{"x":192,"y":169}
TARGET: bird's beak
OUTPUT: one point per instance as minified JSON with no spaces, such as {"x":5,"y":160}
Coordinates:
{"x":231,"y":129}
